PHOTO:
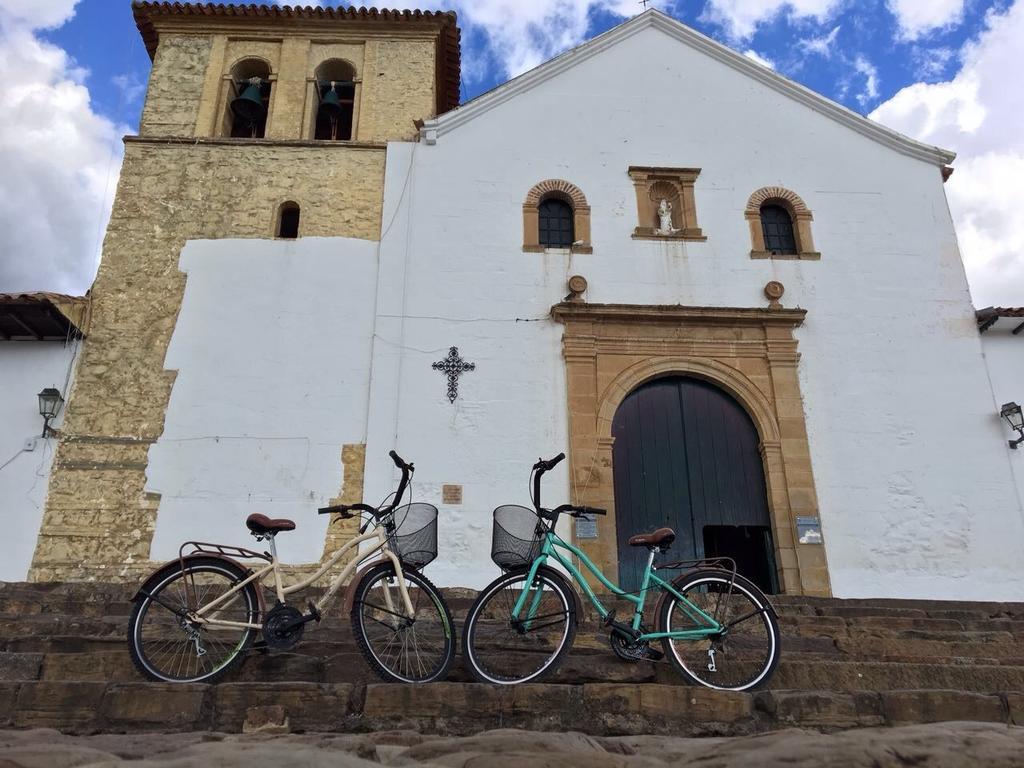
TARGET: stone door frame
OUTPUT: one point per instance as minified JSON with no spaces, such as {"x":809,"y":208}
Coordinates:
{"x":611,"y":349}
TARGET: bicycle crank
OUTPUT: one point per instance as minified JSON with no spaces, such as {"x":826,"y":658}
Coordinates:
{"x":283,"y":627}
{"x":627,"y":648}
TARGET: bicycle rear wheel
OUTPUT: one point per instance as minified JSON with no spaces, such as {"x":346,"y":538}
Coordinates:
{"x":742,"y":657}
{"x":166,"y":646}
{"x":498,"y":649}
{"x":400,"y":649}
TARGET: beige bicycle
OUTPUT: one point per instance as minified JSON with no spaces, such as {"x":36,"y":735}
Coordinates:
{"x":195,"y":618}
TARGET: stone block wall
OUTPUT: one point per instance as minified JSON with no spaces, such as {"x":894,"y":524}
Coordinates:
{"x":176,"y":85}
{"x":98,"y":521}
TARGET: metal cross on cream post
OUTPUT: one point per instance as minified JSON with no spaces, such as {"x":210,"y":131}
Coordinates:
{"x":453,"y":366}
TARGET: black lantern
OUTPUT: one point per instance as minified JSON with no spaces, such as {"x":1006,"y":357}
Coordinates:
{"x":1015,"y":418}
{"x":50,"y":402}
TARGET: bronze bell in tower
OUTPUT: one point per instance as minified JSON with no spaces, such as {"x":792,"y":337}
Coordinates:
{"x":249,"y":105}
{"x":330,"y":104}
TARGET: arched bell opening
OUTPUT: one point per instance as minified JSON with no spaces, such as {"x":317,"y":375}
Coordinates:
{"x":288,"y":220}
{"x":248,"y":102}
{"x":335,"y":91}
{"x":686,"y":455}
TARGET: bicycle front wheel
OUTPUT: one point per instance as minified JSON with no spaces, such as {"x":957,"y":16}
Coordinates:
{"x":744,"y":654}
{"x":400,"y":648}
{"x":166,"y":646}
{"x":505,"y":650}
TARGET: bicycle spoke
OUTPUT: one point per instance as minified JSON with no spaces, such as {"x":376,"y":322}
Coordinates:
{"x":169,"y":647}
{"x":498,"y":650}
{"x":400,"y":646}
{"x":738,"y":657}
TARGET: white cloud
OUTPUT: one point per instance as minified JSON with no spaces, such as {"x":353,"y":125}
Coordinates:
{"x":37,"y":14}
{"x":522,"y":34}
{"x":979,"y":113}
{"x":823,"y":45}
{"x":741,"y":17}
{"x":919,"y":17}
{"x":931,"y":62}
{"x":130,"y":86}
{"x":60,"y":159}
{"x":870,"y":73}
{"x":764,"y":61}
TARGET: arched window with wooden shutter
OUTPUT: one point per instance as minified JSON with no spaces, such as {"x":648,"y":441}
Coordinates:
{"x":780,"y":225}
{"x":556,"y":215}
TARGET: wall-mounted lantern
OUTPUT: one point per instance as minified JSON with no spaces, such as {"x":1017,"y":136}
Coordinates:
{"x":1015,"y":418}
{"x":50,"y":402}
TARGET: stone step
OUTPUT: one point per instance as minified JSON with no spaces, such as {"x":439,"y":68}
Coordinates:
{"x":876,"y":616}
{"x":18,"y":630}
{"x":463,"y":708}
{"x":327,"y":662}
{"x":94,"y":599}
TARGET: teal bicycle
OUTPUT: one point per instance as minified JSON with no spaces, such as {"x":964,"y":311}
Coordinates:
{"x":716,"y":627}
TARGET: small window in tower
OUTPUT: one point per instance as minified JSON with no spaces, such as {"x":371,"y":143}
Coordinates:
{"x":778,"y":230}
{"x":288,"y":221}
{"x":555,"y":223}
{"x":248,"y":100}
{"x":336,"y":99}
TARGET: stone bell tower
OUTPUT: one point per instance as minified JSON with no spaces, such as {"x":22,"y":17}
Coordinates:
{"x":252,"y":115}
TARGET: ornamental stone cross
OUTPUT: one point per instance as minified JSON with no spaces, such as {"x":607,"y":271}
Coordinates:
{"x":453,"y":366}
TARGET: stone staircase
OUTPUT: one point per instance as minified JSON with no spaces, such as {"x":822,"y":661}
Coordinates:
{"x":845,"y":663}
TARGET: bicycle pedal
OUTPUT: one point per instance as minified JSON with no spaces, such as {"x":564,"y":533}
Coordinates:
{"x":313,"y":612}
{"x":654,"y":654}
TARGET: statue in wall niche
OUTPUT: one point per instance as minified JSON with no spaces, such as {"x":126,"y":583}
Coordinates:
{"x":665,"y":218}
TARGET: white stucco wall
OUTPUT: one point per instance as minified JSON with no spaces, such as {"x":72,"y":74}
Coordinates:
{"x":1004,"y":356}
{"x":26,"y":367}
{"x":274,"y":343}
{"x":915,"y":491}
{"x":272,"y":353}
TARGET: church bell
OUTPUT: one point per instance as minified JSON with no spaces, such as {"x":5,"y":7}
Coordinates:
{"x":330,"y":104}
{"x":249,"y":105}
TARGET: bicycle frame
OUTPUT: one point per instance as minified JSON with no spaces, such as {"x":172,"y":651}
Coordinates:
{"x":552,"y":543}
{"x":378,"y":536}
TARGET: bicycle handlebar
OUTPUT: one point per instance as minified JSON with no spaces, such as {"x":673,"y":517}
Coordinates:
{"x":399,"y":461}
{"x":571,"y":509}
{"x":345,"y":510}
{"x":549,"y":464}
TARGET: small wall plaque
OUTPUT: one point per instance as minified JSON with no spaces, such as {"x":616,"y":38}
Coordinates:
{"x":808,"y":530}
{"x":586,"y":529}
{"x":451,"y":494}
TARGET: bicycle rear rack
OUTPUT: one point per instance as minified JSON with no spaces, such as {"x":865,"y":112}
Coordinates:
{"x":725,"y":563}
{"x":225,"y":550}
{"x":219,"y":550}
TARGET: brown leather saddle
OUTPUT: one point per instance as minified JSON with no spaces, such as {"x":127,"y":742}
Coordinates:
{"x":661,"y":538}
{"x":262,"y":525}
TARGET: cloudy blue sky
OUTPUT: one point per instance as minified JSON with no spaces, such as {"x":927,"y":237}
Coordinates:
{"x":946,"y":72}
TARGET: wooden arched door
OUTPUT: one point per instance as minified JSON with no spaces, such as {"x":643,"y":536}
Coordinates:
{"x":686,"y":455}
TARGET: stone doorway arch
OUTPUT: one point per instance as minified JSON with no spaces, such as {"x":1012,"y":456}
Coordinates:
{"x":611,"y":349}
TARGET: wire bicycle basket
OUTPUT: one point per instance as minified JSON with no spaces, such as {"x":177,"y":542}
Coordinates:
{"x":517,"y":536}
{"x":414,"y":538}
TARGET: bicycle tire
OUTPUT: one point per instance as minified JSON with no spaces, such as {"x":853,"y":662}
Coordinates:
{"x":758,"y":616}
{"x":365,"y":609}
{"x":471,"y":653}
{"x":157,"y":592}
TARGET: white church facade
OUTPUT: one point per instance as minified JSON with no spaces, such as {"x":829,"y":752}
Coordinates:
{"x":737,"y":307}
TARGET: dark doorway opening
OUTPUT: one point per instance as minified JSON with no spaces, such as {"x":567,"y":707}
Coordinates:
{"x":750,"y":546}
{"x":687,"y":455}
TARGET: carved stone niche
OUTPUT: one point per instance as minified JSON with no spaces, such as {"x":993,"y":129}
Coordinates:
{"x":675,"y":186}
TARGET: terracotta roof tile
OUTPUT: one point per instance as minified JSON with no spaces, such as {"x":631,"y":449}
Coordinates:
{"x":42,"y":315}
{"x":449,"y":53}
{"x":988,"y":316}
